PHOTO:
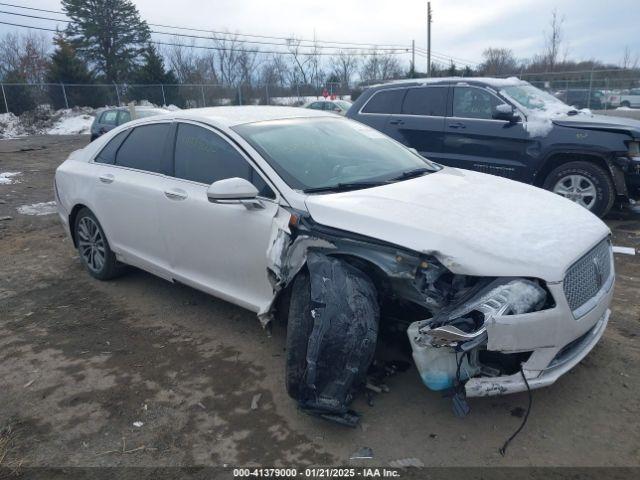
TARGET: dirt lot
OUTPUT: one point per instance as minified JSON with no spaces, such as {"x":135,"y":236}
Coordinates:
{"x":82,"y":360}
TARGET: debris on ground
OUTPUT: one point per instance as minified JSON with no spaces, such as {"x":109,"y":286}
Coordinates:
{"x":362,"y":454}
{"x":38,"y":209}
{"x":8,"y":178}
{"x":254,"y":401}
{"x":624,"y":250}
{"x":6,"y":217}
{"x":406,"y":462}
{"x":138,"y":424}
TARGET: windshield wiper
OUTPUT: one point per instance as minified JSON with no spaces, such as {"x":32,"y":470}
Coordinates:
{"x":416,"y":172}
{"x":341,"y":187}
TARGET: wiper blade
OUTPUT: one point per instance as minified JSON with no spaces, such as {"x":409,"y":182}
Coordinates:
{"x":341,"y":187}
{"x":416,"y":172}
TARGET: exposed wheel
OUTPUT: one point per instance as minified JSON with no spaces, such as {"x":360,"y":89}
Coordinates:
{"x":93,"y":247}
{"x":625,"y":104}
{"x":584,"y":183}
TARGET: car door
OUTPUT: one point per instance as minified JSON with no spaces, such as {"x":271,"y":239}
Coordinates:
{"x":420,"y":122}
{"x":215,"y":247}
{"x":475,"y":141}
{"x":129,"y":184}
{"x":382,"y":103}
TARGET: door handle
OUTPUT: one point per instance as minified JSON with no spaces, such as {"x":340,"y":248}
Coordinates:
{"x":175,"y":194}
{"x":457,"y":125}
{"x":396,"y":122}
{"x":106,"y":178}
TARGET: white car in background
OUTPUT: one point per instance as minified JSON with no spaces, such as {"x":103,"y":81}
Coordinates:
{"x":336,"y":106}
{"x":335,"y":227}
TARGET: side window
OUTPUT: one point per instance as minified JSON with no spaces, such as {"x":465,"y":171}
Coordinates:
{"x":425,"y":101}
{"x":108,"y":153}
{"x":205,"y":157}
{"x":123,"y":117}
{"x":316,"y":105}
{"x":385,"y":101}
{"x":144,"y":149}
{"x":471,"y":102}
{"x":109,"y":117}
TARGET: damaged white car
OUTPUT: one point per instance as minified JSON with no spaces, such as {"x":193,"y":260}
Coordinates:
{"x":340,"y":230}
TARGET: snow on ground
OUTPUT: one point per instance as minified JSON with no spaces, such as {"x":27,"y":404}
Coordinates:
{"x":44,"y":208}
{"x":72,"y":124}
{"x":7,"y":178}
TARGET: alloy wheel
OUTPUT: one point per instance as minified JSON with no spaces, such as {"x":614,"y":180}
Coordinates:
{"x":578,"y":189}
{"x":91,"y":244}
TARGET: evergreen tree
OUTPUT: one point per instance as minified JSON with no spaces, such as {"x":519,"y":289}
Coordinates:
{"x":108,"y":33}
{"x":20,"y":98}
{"x":68,"y":68}
{"x":152,"y":72}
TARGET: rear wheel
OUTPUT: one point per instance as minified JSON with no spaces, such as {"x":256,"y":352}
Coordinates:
{"x":584,"y":183}
{"x":93,"y":247}
{"x":625,"y":104}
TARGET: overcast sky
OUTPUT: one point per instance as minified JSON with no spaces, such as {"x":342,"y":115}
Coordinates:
{"x":461,"y":28}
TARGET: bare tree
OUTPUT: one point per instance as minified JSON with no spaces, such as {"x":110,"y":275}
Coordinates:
{"x":26,"y":56}
{"x":498,"y":61}
{"x":554,"y":40}
{"x":344,"y":66}
{"x":629,"y":61}
{"x":380,"y":67}
{"x":300,"y":70}
{"x":188,"y":66}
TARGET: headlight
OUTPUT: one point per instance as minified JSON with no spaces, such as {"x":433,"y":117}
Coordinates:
{"x":466,"y":322}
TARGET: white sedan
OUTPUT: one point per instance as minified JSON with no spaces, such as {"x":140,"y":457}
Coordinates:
{"x":335,"y":228}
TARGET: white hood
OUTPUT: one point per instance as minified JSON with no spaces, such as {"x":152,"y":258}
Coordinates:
{"x":475,"y":224}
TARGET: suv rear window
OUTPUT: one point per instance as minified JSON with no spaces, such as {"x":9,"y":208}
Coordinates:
{"x":144,"y":149}
{"x":425,"y":101}
{"x":385,"y":101}
{"x":109,"y":117}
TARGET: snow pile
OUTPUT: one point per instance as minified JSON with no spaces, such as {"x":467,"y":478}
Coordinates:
{"x":44,"y":208}
{"x":10,"y":126}
{"x":6,"y":178}
{"x":624,"y":108}
{"x":71,"y":123}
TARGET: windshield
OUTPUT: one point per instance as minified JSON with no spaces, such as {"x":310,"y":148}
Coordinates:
{"x":533,"y":98}
{"x":317,"y":153}
{"x":342,"y":104}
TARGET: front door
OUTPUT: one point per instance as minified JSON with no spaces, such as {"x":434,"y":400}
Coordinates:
{"x":475,"y":141}
{"x":218,"y":248}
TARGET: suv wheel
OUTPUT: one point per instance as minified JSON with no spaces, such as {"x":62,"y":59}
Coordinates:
{"x":625,"y":104}
{"x":585,"y":184}
{"x":93,"y":247}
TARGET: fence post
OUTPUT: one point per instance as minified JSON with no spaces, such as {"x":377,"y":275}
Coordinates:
{"x":64,"y":94}
{"x":298,"y":90}
{"x":117,"y":92}
{"x":240,"y":94}
{"x":266,"y":87}
{"x":4,"y":97}
{"x":164,"y":99}
{"x":590,"y":85}
{"x":204,"y":104}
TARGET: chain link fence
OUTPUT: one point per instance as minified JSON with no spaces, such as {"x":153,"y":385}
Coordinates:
{"x":21,"y":97}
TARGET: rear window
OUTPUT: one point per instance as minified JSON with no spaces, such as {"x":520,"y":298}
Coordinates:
{"x":109,"y":117}
{"x":385,"y":101}
{"x":425,"y":101}
{"x":144,"y":149}
{"x":108,"y":153}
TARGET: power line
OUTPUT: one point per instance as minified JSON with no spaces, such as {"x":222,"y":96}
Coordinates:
{"x":370,"y":45}
{"x":171,"y":44}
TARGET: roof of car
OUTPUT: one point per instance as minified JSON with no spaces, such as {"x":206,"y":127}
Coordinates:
{"x":491,"y":81}
{"x":231,"y":116}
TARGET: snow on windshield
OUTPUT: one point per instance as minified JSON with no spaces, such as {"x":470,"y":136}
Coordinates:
{"x":540,"y":106}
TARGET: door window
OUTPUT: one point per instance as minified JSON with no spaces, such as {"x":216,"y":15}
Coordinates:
{"x":385,"y":101}
{"x":316,"y":105}
{"x":144,"y":149}
{"x":109,"y":117}
{"x":425,"y":101}
{"x":471,"y":102}
{"x":108,"y":153}
{"x":205,"y":157}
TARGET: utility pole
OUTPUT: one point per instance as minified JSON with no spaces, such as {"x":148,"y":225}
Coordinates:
{"x":413,"y":58}
{"x":428,"y":39}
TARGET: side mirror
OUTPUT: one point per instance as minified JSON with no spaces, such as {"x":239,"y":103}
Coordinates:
{"x":234,"y":191}
{"x":505,"y":112}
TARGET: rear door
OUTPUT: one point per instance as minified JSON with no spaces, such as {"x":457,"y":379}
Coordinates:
{"x":475,"y":141}
{"x":420,"y":122}
{"x":128,"y":194}
{"x":380,"y":106}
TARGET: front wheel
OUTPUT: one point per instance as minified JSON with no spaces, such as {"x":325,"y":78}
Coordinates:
{"x":584,"y":183}
{"x":93,"y":247}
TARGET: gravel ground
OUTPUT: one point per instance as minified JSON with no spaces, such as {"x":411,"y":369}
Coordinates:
{"x":83,"y":361}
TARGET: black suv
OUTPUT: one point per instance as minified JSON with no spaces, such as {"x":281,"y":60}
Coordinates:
{"x":508,"y":127}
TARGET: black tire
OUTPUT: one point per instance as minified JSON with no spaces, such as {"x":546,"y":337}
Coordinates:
{"x":605,"y":192}
{"x":299,"y":327}
{"x":95,"y":241}
{"x":625,"y":104}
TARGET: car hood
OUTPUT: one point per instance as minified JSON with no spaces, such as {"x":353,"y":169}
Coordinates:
{"x":601,"y":122}
{"x":475,"y":224}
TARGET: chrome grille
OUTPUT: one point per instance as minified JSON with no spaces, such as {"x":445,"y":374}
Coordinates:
{"x":588,"y":275}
